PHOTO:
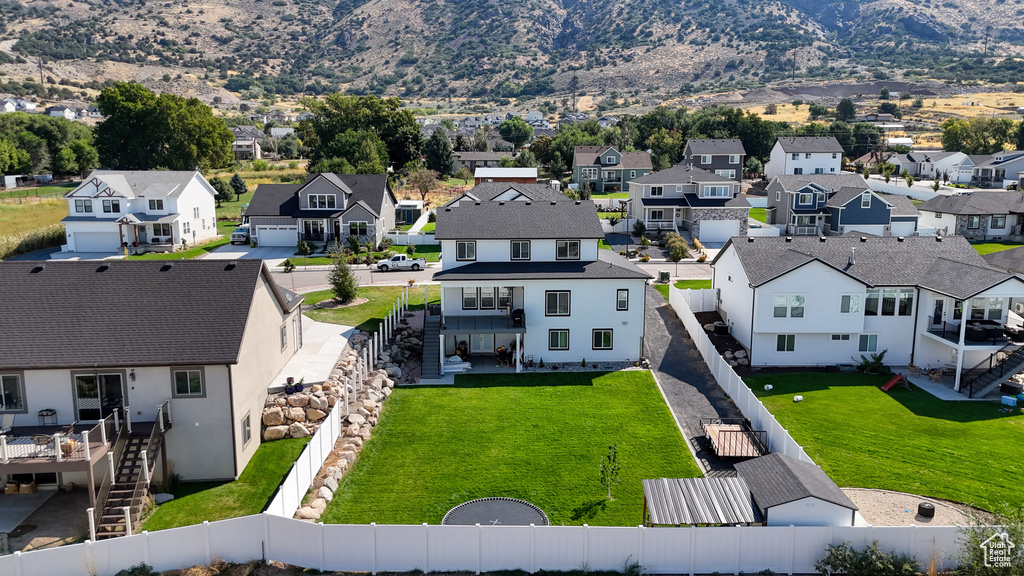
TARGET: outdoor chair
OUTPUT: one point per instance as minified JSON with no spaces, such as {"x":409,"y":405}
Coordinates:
{"x":69,"y":429}
{"x":7,"y":424}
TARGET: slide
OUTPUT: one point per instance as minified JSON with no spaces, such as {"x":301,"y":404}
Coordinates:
{"x":892,"y":382}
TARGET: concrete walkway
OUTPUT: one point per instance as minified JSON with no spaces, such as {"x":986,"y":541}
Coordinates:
{"x":322,"y":344}
{"x":689,"y":387}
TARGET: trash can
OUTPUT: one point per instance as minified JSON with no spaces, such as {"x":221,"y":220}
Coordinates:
{"x":663,"y":276}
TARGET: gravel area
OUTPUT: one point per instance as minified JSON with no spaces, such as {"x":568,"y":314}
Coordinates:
{"x":887,"y":508}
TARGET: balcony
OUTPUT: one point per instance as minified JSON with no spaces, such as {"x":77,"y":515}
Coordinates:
{"x":977,"y":333}
{"x":41,"y":449}
{"x":803,"y":230}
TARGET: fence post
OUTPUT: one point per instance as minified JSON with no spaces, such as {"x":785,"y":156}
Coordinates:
{"x":533,"y":549}
{"x":792,"y":552}
{"x":85,"y":445}
{"x":586,"y":544}
{"x":693,"y":560}
{"x":320,"y":564}
{"x":56,"y":444}
{"x":426,"y":548}
{"x":3,"y":448}
{"x":145,"y":546}
{"x":91,"y":513}
{"x":373,"y":569}
{"x":145,"y":466}
{"x":266,"y":536}
{"x":128,"y":521}
{"x":206,"y":542}
{"x":480,"y":548}
{"x":640,"y":545}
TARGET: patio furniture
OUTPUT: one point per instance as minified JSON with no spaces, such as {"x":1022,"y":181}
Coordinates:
{"x":914,"y":370}
{"x":935,"y":375}
{"x":975,"y":334}
{"x":7,"y":423}
{"x":47,"y":416}
{"x":41,"y":439}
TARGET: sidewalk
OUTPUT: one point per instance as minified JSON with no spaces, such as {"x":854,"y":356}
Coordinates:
{"x":322,"y":344}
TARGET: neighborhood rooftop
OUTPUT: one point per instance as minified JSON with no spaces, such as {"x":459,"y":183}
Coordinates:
{"x":518,"y":220}
{"x":136,"y":183}
{"x":588,"y":155}
{"x":683,"y":173}
{"x":793,"y":182}
{"x":947,"y":265}
{"x":730,"y":146}
{"x":608,"y":266}
{"x":800,"y":144}
{"x":981,"y":203}
{"x":86,"y":313}
{"x":535,"y":192}
{"x":776,"y":479}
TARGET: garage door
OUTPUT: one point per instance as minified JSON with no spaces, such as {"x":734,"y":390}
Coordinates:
{"x":277,"y":235}
{"x":96,"y":242}
{"x":716,"y":231}
{"x":902,"y":229}
{"x":873,"y":229}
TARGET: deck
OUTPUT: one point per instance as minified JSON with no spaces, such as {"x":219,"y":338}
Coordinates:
{"x":731,"y":438}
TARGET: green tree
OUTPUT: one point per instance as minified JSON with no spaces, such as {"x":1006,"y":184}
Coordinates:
{"x":609,"y":470}
{"x":223,"y":190}
{"x":423,"y":180}
{"x":438,"y":153}
{"x":506,"y":162}
{"x":516,"y":131}
{"x":557,"y":167}
{"x":884,"y":93}
{"x":1018,"y":136}
{"x":363,"y":152}
{"x":64,"y":162}
{"x":771,"y":109}
{"x":887,"y":171}
{"x":480,"y":141}
{"x":754,"y":167}
{"x":290,"y":147}
{"x":239,"y":187}
{"x":525,"y":159}
{"x":845,"y":110}
{"x":344,"y":283}
{"x":907,"y":177}
{"x":86,"y":155}
{"x":464,"y":174}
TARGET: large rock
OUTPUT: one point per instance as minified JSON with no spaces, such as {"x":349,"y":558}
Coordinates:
{"x":273,"y":416}
{"x":298,"y":430}
{"x":331,"y":483}
{"x":298,"y":400}
{"x":307,"y":513}
{"x":741,"y":353}
{"x":313,"y":415}
{"x":325,"y":493}
{"x":164,"y":497}
{"x":297,"y":414}
{"x":275,"y":432}
{"x":358,"y":419}
{"x":394,"y":372}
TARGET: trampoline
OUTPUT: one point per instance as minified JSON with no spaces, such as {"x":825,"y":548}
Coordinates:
{"x":496,"y":512}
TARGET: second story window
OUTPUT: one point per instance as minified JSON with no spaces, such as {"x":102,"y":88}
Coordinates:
{"x":865,"y":200}
{"x":156,"y":204}
{"x":806,"y":198}
{"x":322,"y":201}
{"x":807,"y":156}
{"x":465,"y":250}
{"x":112,"y":206}
{"x":567,"y":249}
{"x":734,"y":158}
{"x":556,"y":303}
{"x":83,"y":206}
{"x":195,"y":212}
{"x":609,"y":159}
{"x":657,"y":190}
{"x":520,"y":249}
{"x":795,"y":156}
{"x":705,"y":159}
{"x":716,"y":191}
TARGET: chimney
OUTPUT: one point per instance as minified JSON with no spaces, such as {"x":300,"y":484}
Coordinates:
{"x":853,"y":255}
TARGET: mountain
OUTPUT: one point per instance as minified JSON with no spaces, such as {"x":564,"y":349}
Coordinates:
{"x":436,"y":48}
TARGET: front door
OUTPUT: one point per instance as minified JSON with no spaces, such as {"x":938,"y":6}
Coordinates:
{"x":337,"y":231}
{"x":481,"y":344}
{"x":98,"y":395}
{"x":937,"y":313}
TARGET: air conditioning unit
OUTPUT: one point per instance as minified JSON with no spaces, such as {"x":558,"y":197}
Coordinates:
{"x":1018,"y":308}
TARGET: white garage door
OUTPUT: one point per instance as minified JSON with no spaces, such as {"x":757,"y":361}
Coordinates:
{"x":277,"y":235}
{"x":718,"y":230}
{"x":96,"y":242}
{"x":902,"y":229}
{"x":873,"y":229}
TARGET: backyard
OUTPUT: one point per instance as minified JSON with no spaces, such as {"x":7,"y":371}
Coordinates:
{"x":538,"y":437}
{"x":31,"y":224}
{"x":195,"y":502}
{"x":759,"y":214}
{"x":904,"y":440}
{"x":684,"y":284}
{"x":369,"y":314}
{"x":990,"y":247}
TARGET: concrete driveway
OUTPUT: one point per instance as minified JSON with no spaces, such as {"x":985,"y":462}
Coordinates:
{"x":274,"y":255}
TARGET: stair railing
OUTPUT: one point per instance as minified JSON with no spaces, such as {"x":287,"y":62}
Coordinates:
{"x":969,"y":378}
{"x":109,"y":426}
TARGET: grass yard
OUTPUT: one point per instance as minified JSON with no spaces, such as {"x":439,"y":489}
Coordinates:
{"x":52,"y":191}
{"x":232,"y":210}
{"x":990,"y":247}
{"x":195,"y":502}
{"x":609,"y":195}
{"x":189,"y":254}
{"x":539,"y":437}
{"x":905,"y":440}
{"x":368,"y":315}
{"x":603,"y":244}
{"x":31,"y":225}
{"x":759,"y":214}
{"x":429,"y":227}
{"x":681,"y":284}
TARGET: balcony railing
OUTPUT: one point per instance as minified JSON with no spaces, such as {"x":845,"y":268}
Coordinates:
{"x":803,"y":230}
{"x":63,"y":445}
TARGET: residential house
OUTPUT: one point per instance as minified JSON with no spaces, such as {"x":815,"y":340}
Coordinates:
{"x":872,"y":160}
{"x":8,"y":105}
{"x":279,"y":117}
{"x":327,"y":208}
{"x":497,"y":143}
{"x":25,"y":105}
{"x":257,"y":118}
{"x":214,"y":334}
{"x":278,"y":132}
{"x":534,"y":116}
{"x":304,"y":116}
{"x":142,"y":211}
{"x":428,"y":130}
{"x":93,"y":112}
{"x":873,"y":117}
{"x":686,"y":198}
{"x":61,"y":112}
{"x":836,"y":204}
{"x":605,"y":169}
{"x":573,"y":117}
{"x":473,"y":160}
{"x":608,"y":121}
{"x":724,"y":157}
{"x":999,"y":170}
{"x":527,"y":276}
{"x":804,"y":155}
{"x":520,"y":175}
{"x":979,"y":215}
{"x":820,"y":301}
{"x":248,"y":142}
{"x":929,"y":164}
{"x":549,"y":132}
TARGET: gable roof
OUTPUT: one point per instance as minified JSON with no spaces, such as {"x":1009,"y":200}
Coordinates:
{"x":274,"y":200}
{"x":1011,"y":260}
{"x":591,"y":156}
{"x":844,"y":195}
{"x":137,"y":183}
{"x":682,"y":174}
{"x":793,"y":182}
{"x":518,"y":220}
{"x":976,"y":203}
{"x":61,"y":314}
{"x":473,"y":156}
{"x":901,"y":205}
{"x":800,"y":144}
{"x":777,"y":479}
{"x":498,"y":172}
{"x":367,"y":190}
{"x":947,"y":265}
{"x":490,"y":190}
{"x":608,"y":265}
{"x":721,"y":146}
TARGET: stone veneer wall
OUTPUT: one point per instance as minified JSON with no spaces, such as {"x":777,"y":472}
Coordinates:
{"x":699,"y":214}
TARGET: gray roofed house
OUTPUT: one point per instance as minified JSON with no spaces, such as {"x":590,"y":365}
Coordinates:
{"x":606,"y":169}
{"x":988,"y":214}
{"x":804,"y":155}
{"x":518,"y":219}
{"x":790,"y":491}
{"x":199,"y":339}
{"x":1011,"y":260}
{"x":804,"y":144}
{"x":724,"y":157}
{"x":473,"y":160}
{"x":511,"y":191}
{"x":836,"y":204}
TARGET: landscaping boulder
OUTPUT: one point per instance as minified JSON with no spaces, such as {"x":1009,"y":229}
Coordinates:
{"x":313,"y":415}
{"x":162,"y":497}
{"x":298,"y":400}
{"x":325,"y":493}
{"x":297,"y":414}
{"x":331,"y":483}
{"x":741,"y":354}
{"x":358,"y":419}
{"x":307,"y":513}
{"x":275,"y":432}
{"x":298,"y":430}
{"x":273,"y":416}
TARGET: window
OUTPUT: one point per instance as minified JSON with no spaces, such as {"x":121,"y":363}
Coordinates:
{"x":487,"y":298}
{"x":622,"y":299}
{"x":706,"y":159}
{"x":806,"y":220}
{"x":868,"y":342}
{"x":798,"y":171}
{"x":785,"y":343}
{"x":195,"y":212}
{"x":657,"y":214}
{"x":83,"y":206}
{"x":791,"y":305}
{"x":832,"y":169}
{"x":778,"y":196}
{"x":185,"y":228}
{"x":906,"y":303}
{"x":567,"y":249}
{"x":734,"y":158}
{"x":162,"y":229}
{"x":322,"y":201}
{"x":284,"y":337}
{"x":806,"y":198}
{"x":865,"y":200}
{"x":726,"y":173}
{"x":998,"y":222}
{"x":602,"y":339}
{"x":609,"y":159}
{"x":465,"y":250}
{"x":610,"y":175}
{"x":556,"y":303}
{"x":973,"y":222}
{"x":716,"y":192}
{"x":188,"y":382}
{"x":558,"y":339}
{"x":794,"y":156}
{"x":938,"y":215}
{"x":469,"y":299}
{"x":504,"y":297}
{"x":112,"y":206}
{"x":871,"y":303}
{"x":994,"y":306}
{"x":833,"y":155}
{"x":796,"y":308}
{"x":11,"y":397}
{"x":657,"y":191}
{"x":889,"y":301}
{"x":156,"y":204}
{"x":958,"y":310}
{"x":849,"y":304}
{"x":780,"y":306}
{"x":588,"y":173}
{"x":357,"y":228}
{"x":520,"y":249}
{"x":246,"y":430}
{"x":840,"y":337}
{"x":807,"y":155}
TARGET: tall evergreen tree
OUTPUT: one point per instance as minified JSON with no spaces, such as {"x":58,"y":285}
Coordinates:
{"x":438,"y":153}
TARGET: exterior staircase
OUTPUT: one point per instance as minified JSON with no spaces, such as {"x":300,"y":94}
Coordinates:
{"x":990,"y":373}
{"x":127,"y":474}
{"x":431,"y":347}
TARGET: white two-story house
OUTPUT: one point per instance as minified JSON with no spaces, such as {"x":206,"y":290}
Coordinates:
{"x":522,"y":270}
{"x":143,"y":211}
{"x":818,"y":301}
{"x":804,"y":155}
{"x":684,"y":197}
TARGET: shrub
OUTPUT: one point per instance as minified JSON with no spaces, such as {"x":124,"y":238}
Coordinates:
{"x":304,"y":248}
{"x":971,"y":559}
{"x":870,"y":561}
{"x":353,"y":244}
{"x":432,"y":217}
{"x":874,"y":364}
{"x":343,"y":281}
{"x":410,"y":250}
{"x":639,"y":228}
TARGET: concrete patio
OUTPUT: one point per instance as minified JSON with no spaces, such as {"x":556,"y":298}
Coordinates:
{"x":322,"y":344}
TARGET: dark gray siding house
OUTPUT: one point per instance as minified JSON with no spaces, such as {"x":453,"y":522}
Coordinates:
{"x":723,"y":157}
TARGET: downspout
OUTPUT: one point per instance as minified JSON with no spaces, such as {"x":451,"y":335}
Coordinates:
{"x":234,"y":440}
{"x":917,"y":309}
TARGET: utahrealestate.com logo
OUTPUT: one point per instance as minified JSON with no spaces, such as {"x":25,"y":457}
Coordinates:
{"x":998,"y":550}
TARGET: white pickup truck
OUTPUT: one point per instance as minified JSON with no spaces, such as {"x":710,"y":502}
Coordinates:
{"x":401,"y":262}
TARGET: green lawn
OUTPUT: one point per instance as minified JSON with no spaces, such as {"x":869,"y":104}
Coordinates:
{"x":990,"y":247}
{"x":233,"y":210}
{"x":189,"y":254}
{"x":195,"y":502}
{"x":429,"y":227}
{"x":52,"y":191}
{"x":905,"y":440}
{"x":539,"y":437}
{"x":604,"y":245}
{"x":606,"y":195}
{"x":226,"y":226}
{"x":759,"y":214}
{"x":681,"y":284}
{"x":368,"y":315}
{"x":605,"y":215}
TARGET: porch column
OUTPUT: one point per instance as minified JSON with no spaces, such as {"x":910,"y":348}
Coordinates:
{"x":964,"y":317}
{"x":519,"y":351}
{"x":443,"y":355}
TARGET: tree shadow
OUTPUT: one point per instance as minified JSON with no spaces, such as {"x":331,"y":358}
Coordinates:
{"x":588,"y":510}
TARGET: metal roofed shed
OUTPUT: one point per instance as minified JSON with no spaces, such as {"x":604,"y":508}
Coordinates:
{"x":789,"y":491}
{"x":699,"y":502}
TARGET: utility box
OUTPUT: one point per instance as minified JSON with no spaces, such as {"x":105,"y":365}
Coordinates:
{"x":663,"y":276}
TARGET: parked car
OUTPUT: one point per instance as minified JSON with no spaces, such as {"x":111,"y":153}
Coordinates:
{"x":401,"y":262}
{"x":240,"y":235}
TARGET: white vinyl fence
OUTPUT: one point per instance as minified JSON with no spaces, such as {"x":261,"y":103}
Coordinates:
{"x":897,"y":186}
{"x":307,"y":465}
{"x":412,"y":238}
{"x":760,"y":418}
{"x":372,"y":548}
